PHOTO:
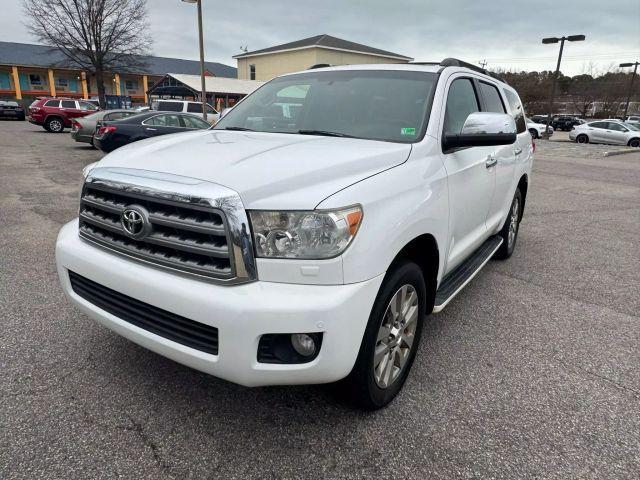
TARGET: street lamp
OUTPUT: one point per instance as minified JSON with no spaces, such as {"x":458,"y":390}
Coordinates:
{"x":571,"y":38}
{"x":635,"y":69}
{"x":203,"y":93}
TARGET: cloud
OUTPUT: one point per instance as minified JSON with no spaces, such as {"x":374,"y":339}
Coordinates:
{"x":506,"y":33}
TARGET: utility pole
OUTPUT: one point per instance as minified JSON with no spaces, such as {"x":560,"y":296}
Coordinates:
{"x":483,"y":63}
{"x":633,"y":77}
{"x":571,"y":38}
{"x":203,"y":93}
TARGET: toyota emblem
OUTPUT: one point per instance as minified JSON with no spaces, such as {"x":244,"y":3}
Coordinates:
{"x":135,"y":221}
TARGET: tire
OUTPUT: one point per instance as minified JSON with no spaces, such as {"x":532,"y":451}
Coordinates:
{"x":54,"y":125}
{"x":634,"y":142}
{"x":534,"y":133}
{"x":371,"y":388}
{"x":509,"y":232}
{"x":582,"y":138}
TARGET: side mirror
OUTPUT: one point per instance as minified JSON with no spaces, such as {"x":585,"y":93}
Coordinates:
{"x":483,"y":129}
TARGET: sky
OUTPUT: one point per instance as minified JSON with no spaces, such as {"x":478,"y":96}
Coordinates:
{"x":505,"y":33}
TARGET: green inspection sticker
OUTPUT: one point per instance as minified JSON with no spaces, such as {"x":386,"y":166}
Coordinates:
{"x":407,"y":131}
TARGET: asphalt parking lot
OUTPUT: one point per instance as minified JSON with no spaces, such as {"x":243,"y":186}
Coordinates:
{"x":531,"y":372}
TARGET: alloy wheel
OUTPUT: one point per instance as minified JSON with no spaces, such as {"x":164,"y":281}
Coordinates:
{"x":513,"y":222}
{"x":396,"y":336}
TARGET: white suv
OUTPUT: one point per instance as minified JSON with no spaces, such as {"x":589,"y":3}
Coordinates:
{"x":308,"y":247}
{"x":185,"y":106}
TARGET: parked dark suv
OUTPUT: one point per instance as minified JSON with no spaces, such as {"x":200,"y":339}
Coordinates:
{"x":565,"y":122}
{"x":11,"y":109}
{"x":56,"y":114}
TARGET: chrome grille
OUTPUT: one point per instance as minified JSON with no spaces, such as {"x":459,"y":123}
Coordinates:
{"x":182,"y":236}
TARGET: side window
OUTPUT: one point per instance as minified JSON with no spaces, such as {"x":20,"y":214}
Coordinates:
{"x":157,"y":121}
{"x":193,"y":107}
{"x":52,"y":103}
{"x":170,"y":106}
{"x":492,"y":100}
{"x":516,"y":110}
{"x":86,"y":106}
{"x":461,"y":102}
{"x":194,"y":122}
{"x":616,"y":127}
{"x":598,"y":125}
{"x":210,"y":109}
{"x":68,"y":104}
{"x":164,"y":121}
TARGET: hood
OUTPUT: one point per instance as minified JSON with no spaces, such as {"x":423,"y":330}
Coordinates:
{"x":268,"y":170}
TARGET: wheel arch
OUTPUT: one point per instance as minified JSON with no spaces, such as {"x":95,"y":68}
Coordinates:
{"x":523,"y":185}
{"x":631,"y":140}
{"x":423,"y":250}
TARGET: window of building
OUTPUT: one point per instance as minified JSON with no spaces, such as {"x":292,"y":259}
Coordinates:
{"x":492,"y":100}
{"x":516,"y":110}
{"x":131,"y":84}
{"x":35,"y":79}
{"x":252,"y":72}
{"x":62,"y":82}
{"x":461,"y":102}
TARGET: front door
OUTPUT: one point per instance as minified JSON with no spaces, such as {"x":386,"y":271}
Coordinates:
{"x":471,"y":174}
{"x":162,"y":124}
{"x":616,"y":133}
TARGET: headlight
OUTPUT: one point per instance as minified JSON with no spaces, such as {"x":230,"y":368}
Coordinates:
{"x":315,"y":234}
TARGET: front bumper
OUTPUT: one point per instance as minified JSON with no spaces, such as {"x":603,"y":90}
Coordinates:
{"x":242,"y":313}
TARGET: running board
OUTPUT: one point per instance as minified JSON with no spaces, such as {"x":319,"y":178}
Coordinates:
{"x":455,"y":281}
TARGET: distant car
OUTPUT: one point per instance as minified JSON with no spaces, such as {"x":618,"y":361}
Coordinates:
{"x":9,"y":109}
{"x":185,"y":106}
{"x":612,"y":132}
{"x":633,"y":120}
{"x":565,"y":122}
{"x":113,"y":134}
{"x":55,"y":114}
{"x":537,"y":129}
{"x":538,"y":119}
{"x":83,"y":129}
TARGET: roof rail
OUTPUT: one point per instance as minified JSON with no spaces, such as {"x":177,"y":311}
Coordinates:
{"x":424,"y":63}
{"x":319,"y":65}
{"x":454,"y":62}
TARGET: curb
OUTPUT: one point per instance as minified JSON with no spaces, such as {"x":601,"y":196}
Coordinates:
{"x":620,"y":152}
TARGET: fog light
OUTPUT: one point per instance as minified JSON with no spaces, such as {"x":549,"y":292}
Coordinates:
{"x":303,"y":344}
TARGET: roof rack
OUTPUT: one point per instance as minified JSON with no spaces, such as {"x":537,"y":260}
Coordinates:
{"x":424,"y":63}
{"x":319,"y":65}
{"x":454,"y":62}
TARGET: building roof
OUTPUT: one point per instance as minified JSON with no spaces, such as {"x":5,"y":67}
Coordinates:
{"x":29,"y":55}
{"x":328,"y":42}
{"x":212,"y":84}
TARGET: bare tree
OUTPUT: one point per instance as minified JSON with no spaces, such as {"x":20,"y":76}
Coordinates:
{"x":99,"y":36}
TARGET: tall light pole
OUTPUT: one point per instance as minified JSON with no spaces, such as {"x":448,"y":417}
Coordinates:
{"x":203,"y":93}
{"x":571,"y":38}
{"x":633,"y":77}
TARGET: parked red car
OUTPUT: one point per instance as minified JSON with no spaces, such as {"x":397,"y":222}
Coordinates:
{"x":56,"y":113}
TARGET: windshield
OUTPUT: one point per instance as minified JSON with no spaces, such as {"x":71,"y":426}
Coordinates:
{"x":388,"y":105}
{"x":632,"y":127}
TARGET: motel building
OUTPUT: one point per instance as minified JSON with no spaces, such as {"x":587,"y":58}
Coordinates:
{"x":29,"y":71}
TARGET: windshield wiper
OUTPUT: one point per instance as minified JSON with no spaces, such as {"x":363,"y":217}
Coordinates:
{"x":239,"y":129}
{"x":324,"y":133}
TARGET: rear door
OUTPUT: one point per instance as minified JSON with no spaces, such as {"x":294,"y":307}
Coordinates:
{"x":597,"y":131}
{"x":493,"y":101}
{"x":471,"y":181}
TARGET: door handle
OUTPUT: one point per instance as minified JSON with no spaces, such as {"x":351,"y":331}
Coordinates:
{"x":517,"y":151}
{"x":491,"y":161}
{"x":151,"y":129}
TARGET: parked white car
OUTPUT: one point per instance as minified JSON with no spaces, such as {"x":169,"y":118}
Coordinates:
{"x":633,"y":120}
{"x":185,"y":106}
{"x":537,"y":129}
{"x":612,"y":132}
{"x":310,"y":248}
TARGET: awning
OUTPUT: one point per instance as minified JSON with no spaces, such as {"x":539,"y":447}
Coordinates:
{"x":178,"y":84}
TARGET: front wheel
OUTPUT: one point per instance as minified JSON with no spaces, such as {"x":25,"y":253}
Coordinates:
{"x":509,"y":232}
{"x":634,"y":142}
{"x":391,"y":339}
{"x":54,"y":125}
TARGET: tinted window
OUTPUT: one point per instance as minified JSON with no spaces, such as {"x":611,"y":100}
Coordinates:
{"x":68,"y":104}
{"x":461,"y":102}
{"x":492,"y":100}
{"x":616,"y":127}
{"x":52,"y":103}
{"x":516,"y":110}
{"x":170,"y":106}
{"x":598,"y":125}
{"x":194,"y":107}
{"x":379,"y":105}
{"x":194,"y":122}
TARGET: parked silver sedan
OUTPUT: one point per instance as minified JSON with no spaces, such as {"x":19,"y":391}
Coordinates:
{"x":82,"y":129}
{"x":612,"y":132}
